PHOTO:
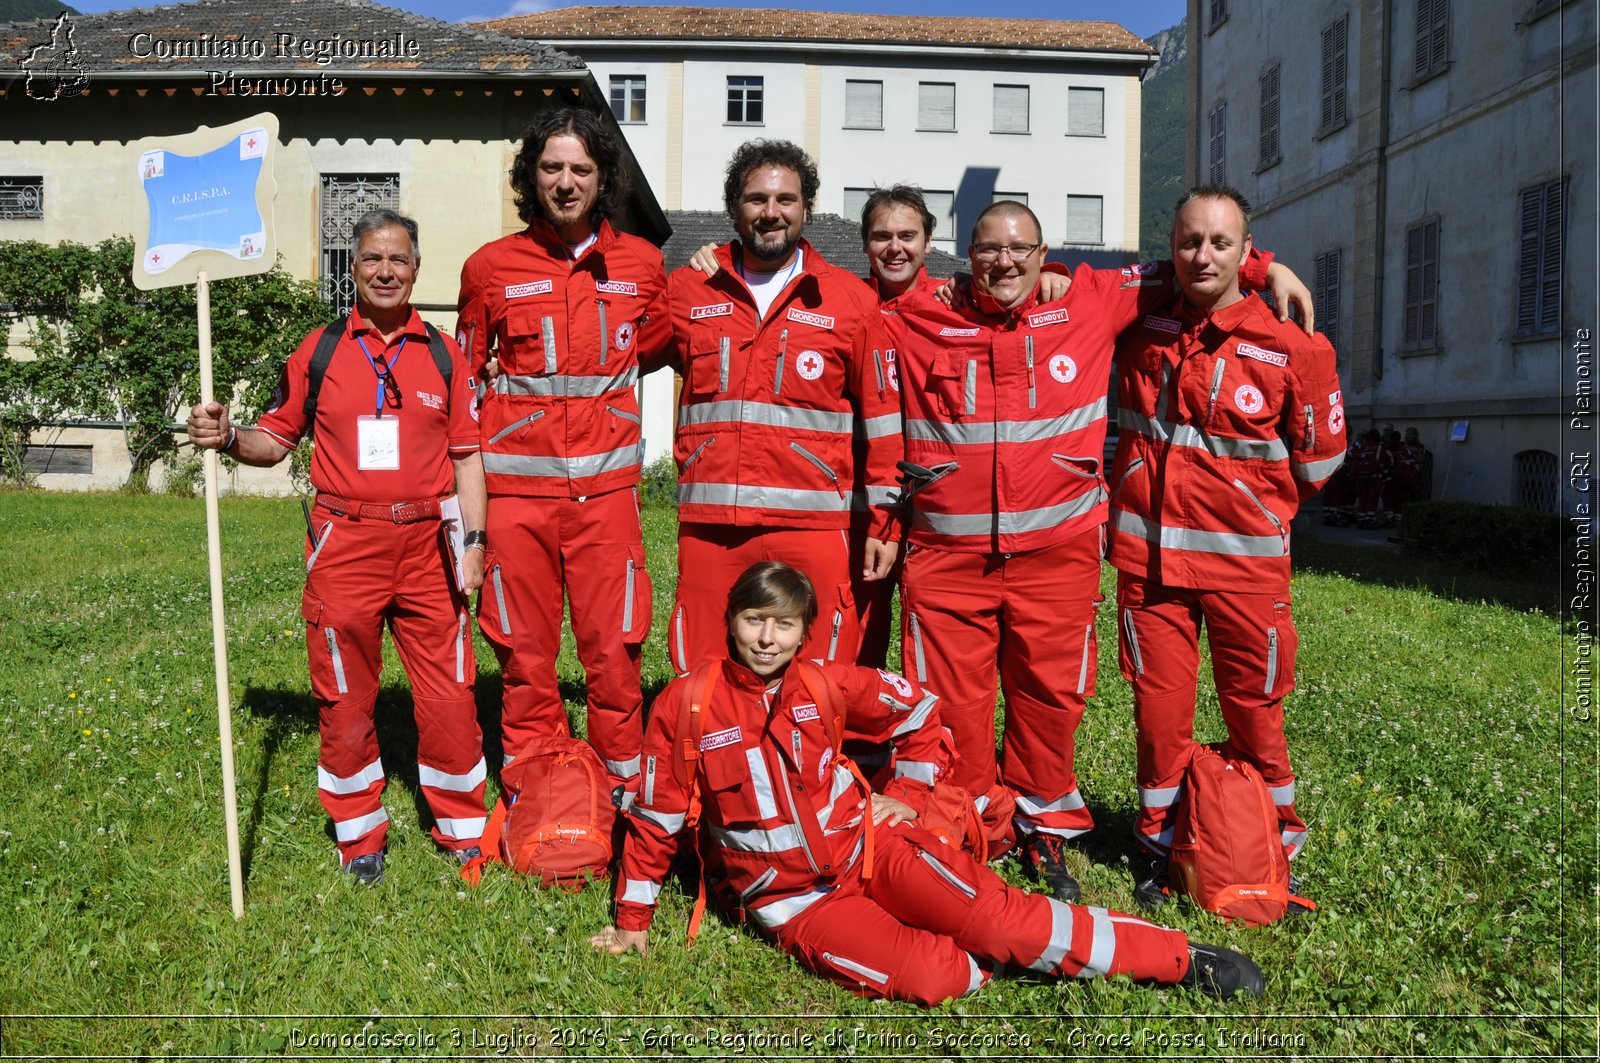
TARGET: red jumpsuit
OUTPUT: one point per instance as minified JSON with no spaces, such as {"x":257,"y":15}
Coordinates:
{"x":1230,"y":420}
{"x":378,"y":559}
{"x":1006,"y":412}
{"x":764,"y":443}
{"x":561,"y":456}
{"x":784,"y":827}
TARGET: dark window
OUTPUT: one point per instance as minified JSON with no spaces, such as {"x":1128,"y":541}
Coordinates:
{"x":1219,"y":13}
{"x":1219,"y":143}
{"x":1537,"y":480}
{"x":1325,"y":292}
{"x":627,"y":98}
{"x":1267,"y":154}
{"x":1543,"y":210}
{"x":21,"y":197}
{"x":1335,"y":69}
{"x":1422,"y":285}
{"x":60,"y":458}
{"x":745,"y":100}
{"x":1433,"y":38}
{"x":345,"y":197}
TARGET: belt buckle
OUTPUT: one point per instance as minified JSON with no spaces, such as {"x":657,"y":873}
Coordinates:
{"x":403,"y":512}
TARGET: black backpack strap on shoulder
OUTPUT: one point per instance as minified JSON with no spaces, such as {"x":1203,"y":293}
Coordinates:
{"x":441,"y":360}
{"x":320,"y":360}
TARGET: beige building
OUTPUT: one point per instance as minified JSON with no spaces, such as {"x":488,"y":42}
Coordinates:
{"x":375,"y":108}
{"x":1429,"y":167}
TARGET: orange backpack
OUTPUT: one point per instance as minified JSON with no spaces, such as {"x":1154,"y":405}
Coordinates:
{"x":1227,"y":850}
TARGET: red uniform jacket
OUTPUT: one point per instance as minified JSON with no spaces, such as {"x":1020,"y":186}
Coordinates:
{"x":783,"y":816}
{"x":769,"y":406}
{"x":1007,"y":410}
{"x":1229,"y":420}
{"x":562,"y":419}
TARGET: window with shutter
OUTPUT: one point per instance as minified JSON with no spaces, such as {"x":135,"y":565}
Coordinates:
{"x":1542,"y":210}
{"x":1325,"y":293}
{"x":1335,"y":69}
{"x":1433,"y":38}
{"x":863,"y":105}
{"x":936,"y":106}
{"x":1267,"y":152}
{"x":1010,"y":108}
{"x":1015,"y":197}
{"x":855,"y":200}
{"x":1219,"y":14}
{"x":1086,"y":112}
{"x":1219,"y":125}
{"x":1085,"y":220}
{"x":1421,"y":329}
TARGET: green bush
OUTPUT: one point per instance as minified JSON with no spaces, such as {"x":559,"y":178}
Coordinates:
{"x":1485,"y":537}
{"x":658,"y":483}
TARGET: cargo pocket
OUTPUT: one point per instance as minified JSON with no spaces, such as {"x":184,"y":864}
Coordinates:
{"x":946,"y":381}
{"x":529,"y":331}
{"x":312,"y":552}
{"x":324,"y":639}
{"x":844,"y":602}
{"x":637,"y":598}
{"x":708,"y":365}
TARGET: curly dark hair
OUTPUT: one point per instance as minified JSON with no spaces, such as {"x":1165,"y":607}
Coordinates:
{"x":602,"y":146}
{"x":756,"y":154}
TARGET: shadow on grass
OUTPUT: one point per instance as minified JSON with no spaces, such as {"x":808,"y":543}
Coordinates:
{"x":1394,"y":565}
{"x":287,"y":713}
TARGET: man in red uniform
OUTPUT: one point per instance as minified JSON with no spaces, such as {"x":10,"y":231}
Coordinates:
{"x":1230,"y":420}
{"x":394,"y":435}
{"x":565,"y":305}
{"x":789,"y":834}
{"x":783,"y":359}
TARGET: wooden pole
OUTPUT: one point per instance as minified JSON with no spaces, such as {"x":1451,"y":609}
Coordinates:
{"x":219,"y":634}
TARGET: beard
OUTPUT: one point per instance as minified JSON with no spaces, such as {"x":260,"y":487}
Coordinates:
{"x":771,"y":252}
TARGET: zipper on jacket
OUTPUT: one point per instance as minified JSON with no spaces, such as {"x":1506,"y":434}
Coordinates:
{"x":1033,"y":390}
{"x":758,"y":885}
{"x":627,"y":600}
{"x":819,"y":463}
{"x":916,"y":643}
{"x":877,"y":363}
{"x":322,"y":540}
{"x":1071,"y":465}
{"x":794,"y":811}
{"x":1083,"y":665}
{"x":461,"y":648}
{"x":1127,"y":474}
{"x":650,"y":779}
{"x":856,"y":968}
{"x":722,"y":364}
{"x":696,"y":455}
{"x":833,"y":640}
{"x":1163,"y":392}
{"x":949,"y":876}
{"x":337,"y":659}
{"x":1273,"y":517}
{"x":1216,"y":386}
{"x":1272,"y":659}
{"x":514,"y":425}
{"x":794,"y":744}
{"x":500,"y":600}
{"x":1311,"y":428}
{"x":604,"y":335}
{"x":783,"y":349}
{"x":549,"y":325}
{"x":1133,"y":642}
{"x":625,"y":415}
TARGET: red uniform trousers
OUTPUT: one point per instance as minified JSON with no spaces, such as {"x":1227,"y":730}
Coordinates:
{"x":874,"y":598}
{"x":1253,"y":644}
{"x":712,"y":556}
{"x":364,"y":574}
{"x":594,"y":548}
{"x":1030,"y":614}
{"x":933,"y":923}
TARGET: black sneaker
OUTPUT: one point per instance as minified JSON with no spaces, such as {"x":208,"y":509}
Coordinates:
{"x":368,"y":869}
{"x":467,"y":855}
{"x":1151,"y":892}
{"x":1045,"y":855}
{"x":1222,"y":973}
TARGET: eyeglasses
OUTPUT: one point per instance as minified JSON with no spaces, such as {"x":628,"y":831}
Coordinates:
{"x":990,"y":252}
{"x":391,"y":388}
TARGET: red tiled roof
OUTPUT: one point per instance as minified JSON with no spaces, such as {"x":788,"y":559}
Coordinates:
{"x":699,"y":23}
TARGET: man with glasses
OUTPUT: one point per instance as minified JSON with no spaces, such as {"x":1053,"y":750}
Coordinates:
{"x":1005,"y":405}
{"x":392,"y":404}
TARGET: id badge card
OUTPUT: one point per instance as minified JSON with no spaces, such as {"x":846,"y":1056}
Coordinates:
{"x":377,"y":443}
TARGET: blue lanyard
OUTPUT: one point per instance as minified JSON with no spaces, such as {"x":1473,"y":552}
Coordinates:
{"x":388,"y":369}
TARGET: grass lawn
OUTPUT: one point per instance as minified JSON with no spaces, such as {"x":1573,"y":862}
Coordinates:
{"x":1453,"y":848}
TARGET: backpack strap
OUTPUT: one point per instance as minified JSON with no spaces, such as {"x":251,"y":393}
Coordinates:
{"x":697,"y":695}
{"x":830,"y":704}
{"x":322,"y":357}
{"x":441,"y":360}
{"x":489,"y":846}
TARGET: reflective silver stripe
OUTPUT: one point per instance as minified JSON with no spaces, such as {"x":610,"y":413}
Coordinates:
{"x":348,"y":830}
{"x":977,"y":978}
{"x":350,"y":784}
{"x":553,"y":386}
{"x":766,"y":802}
{"x":322,"y":540}
{"x":883,"y":496}
{"x":761,"y":883}
{"x":968,"y":891}
{"x":650,"y":780}
{"x":462,"y":829}
{"x":1311,"y":427}
{"x":924,"y":771}
{"x":972,"y":387}
{"x":881,"y":427}
{"x":833,"y":639}
{"x":1034,"y":806}
{"x":1160,"y":796}
{"x":877,"y":363}
{"x":1282,"y":795}
{"x":1009,"y":523}
{"x":1162,"y":841}
{"x":1204,"y":542}
{"x":777,"y":913}
{"x":916,"y":643}
{"x":758,"y":496}
{"x":986,"y":432}
{"x":627,"y":599}
{"x":1132,"y":637}
{"x":604,"y":335}
{"x":919,"y":713}
{"x":461,"y":648}
{"x":1295,"y":840}
{"x":338,"y":661}
{"x":793,"y":826}
{"x":625,"y":415}
{"x":981,"y":802}
{"x":1185,"y":435}
{"x":500,"y":601}
{"x":869,"y":973}
{"x":783,"y":349}
{"x":666,"y":821}
{"x":1083,"y":664}
{"x":784,"y":839}
{"x":1272,"y":660}
{"x":623,"y":769}
{"x":722,"y":366}
{"x":640,"y":892}
{"x":461,"y":784}
{"x":549,"y":324}
{"x":1314,"y":471}
{"x":1055,"y":950}
{"x":1165,"y":393}
{"x":773,"y":415}
{"x":843,"y":785}
{"x":1103,"y":944}
{"x":570,"y":468}
{"x":514,"y":425}
{"x":682,"y":663}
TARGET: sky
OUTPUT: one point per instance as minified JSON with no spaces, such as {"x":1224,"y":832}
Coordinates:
{"x":1143,"y":17}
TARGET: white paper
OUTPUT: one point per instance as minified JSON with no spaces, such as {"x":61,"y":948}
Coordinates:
{"x":377,"y":443}
{"x":455,"y":535}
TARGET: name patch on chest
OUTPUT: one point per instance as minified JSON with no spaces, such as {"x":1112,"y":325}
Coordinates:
{"x":950,"y":331}
{"x":802,"y":713}
{"x":1141,"y":269}
{"x":1162,"y":324}
{"x":1047,"y":317}
{"x":519,"y":291}
{"x":1261,"y":354}
{"x":731,"y":737}
{"x":617,"y":287}
{"x":806,"y":317}
{"x":698,"y":313}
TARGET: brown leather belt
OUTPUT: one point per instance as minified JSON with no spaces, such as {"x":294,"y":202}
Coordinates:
{"x":393,"y":512}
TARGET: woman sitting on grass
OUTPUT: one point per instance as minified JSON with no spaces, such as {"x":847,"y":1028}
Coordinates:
{"x":885,"y":909}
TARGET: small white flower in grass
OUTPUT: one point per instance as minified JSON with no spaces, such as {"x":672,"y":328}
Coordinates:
{"x":62,"y":845}
{"x":461,"y":895}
